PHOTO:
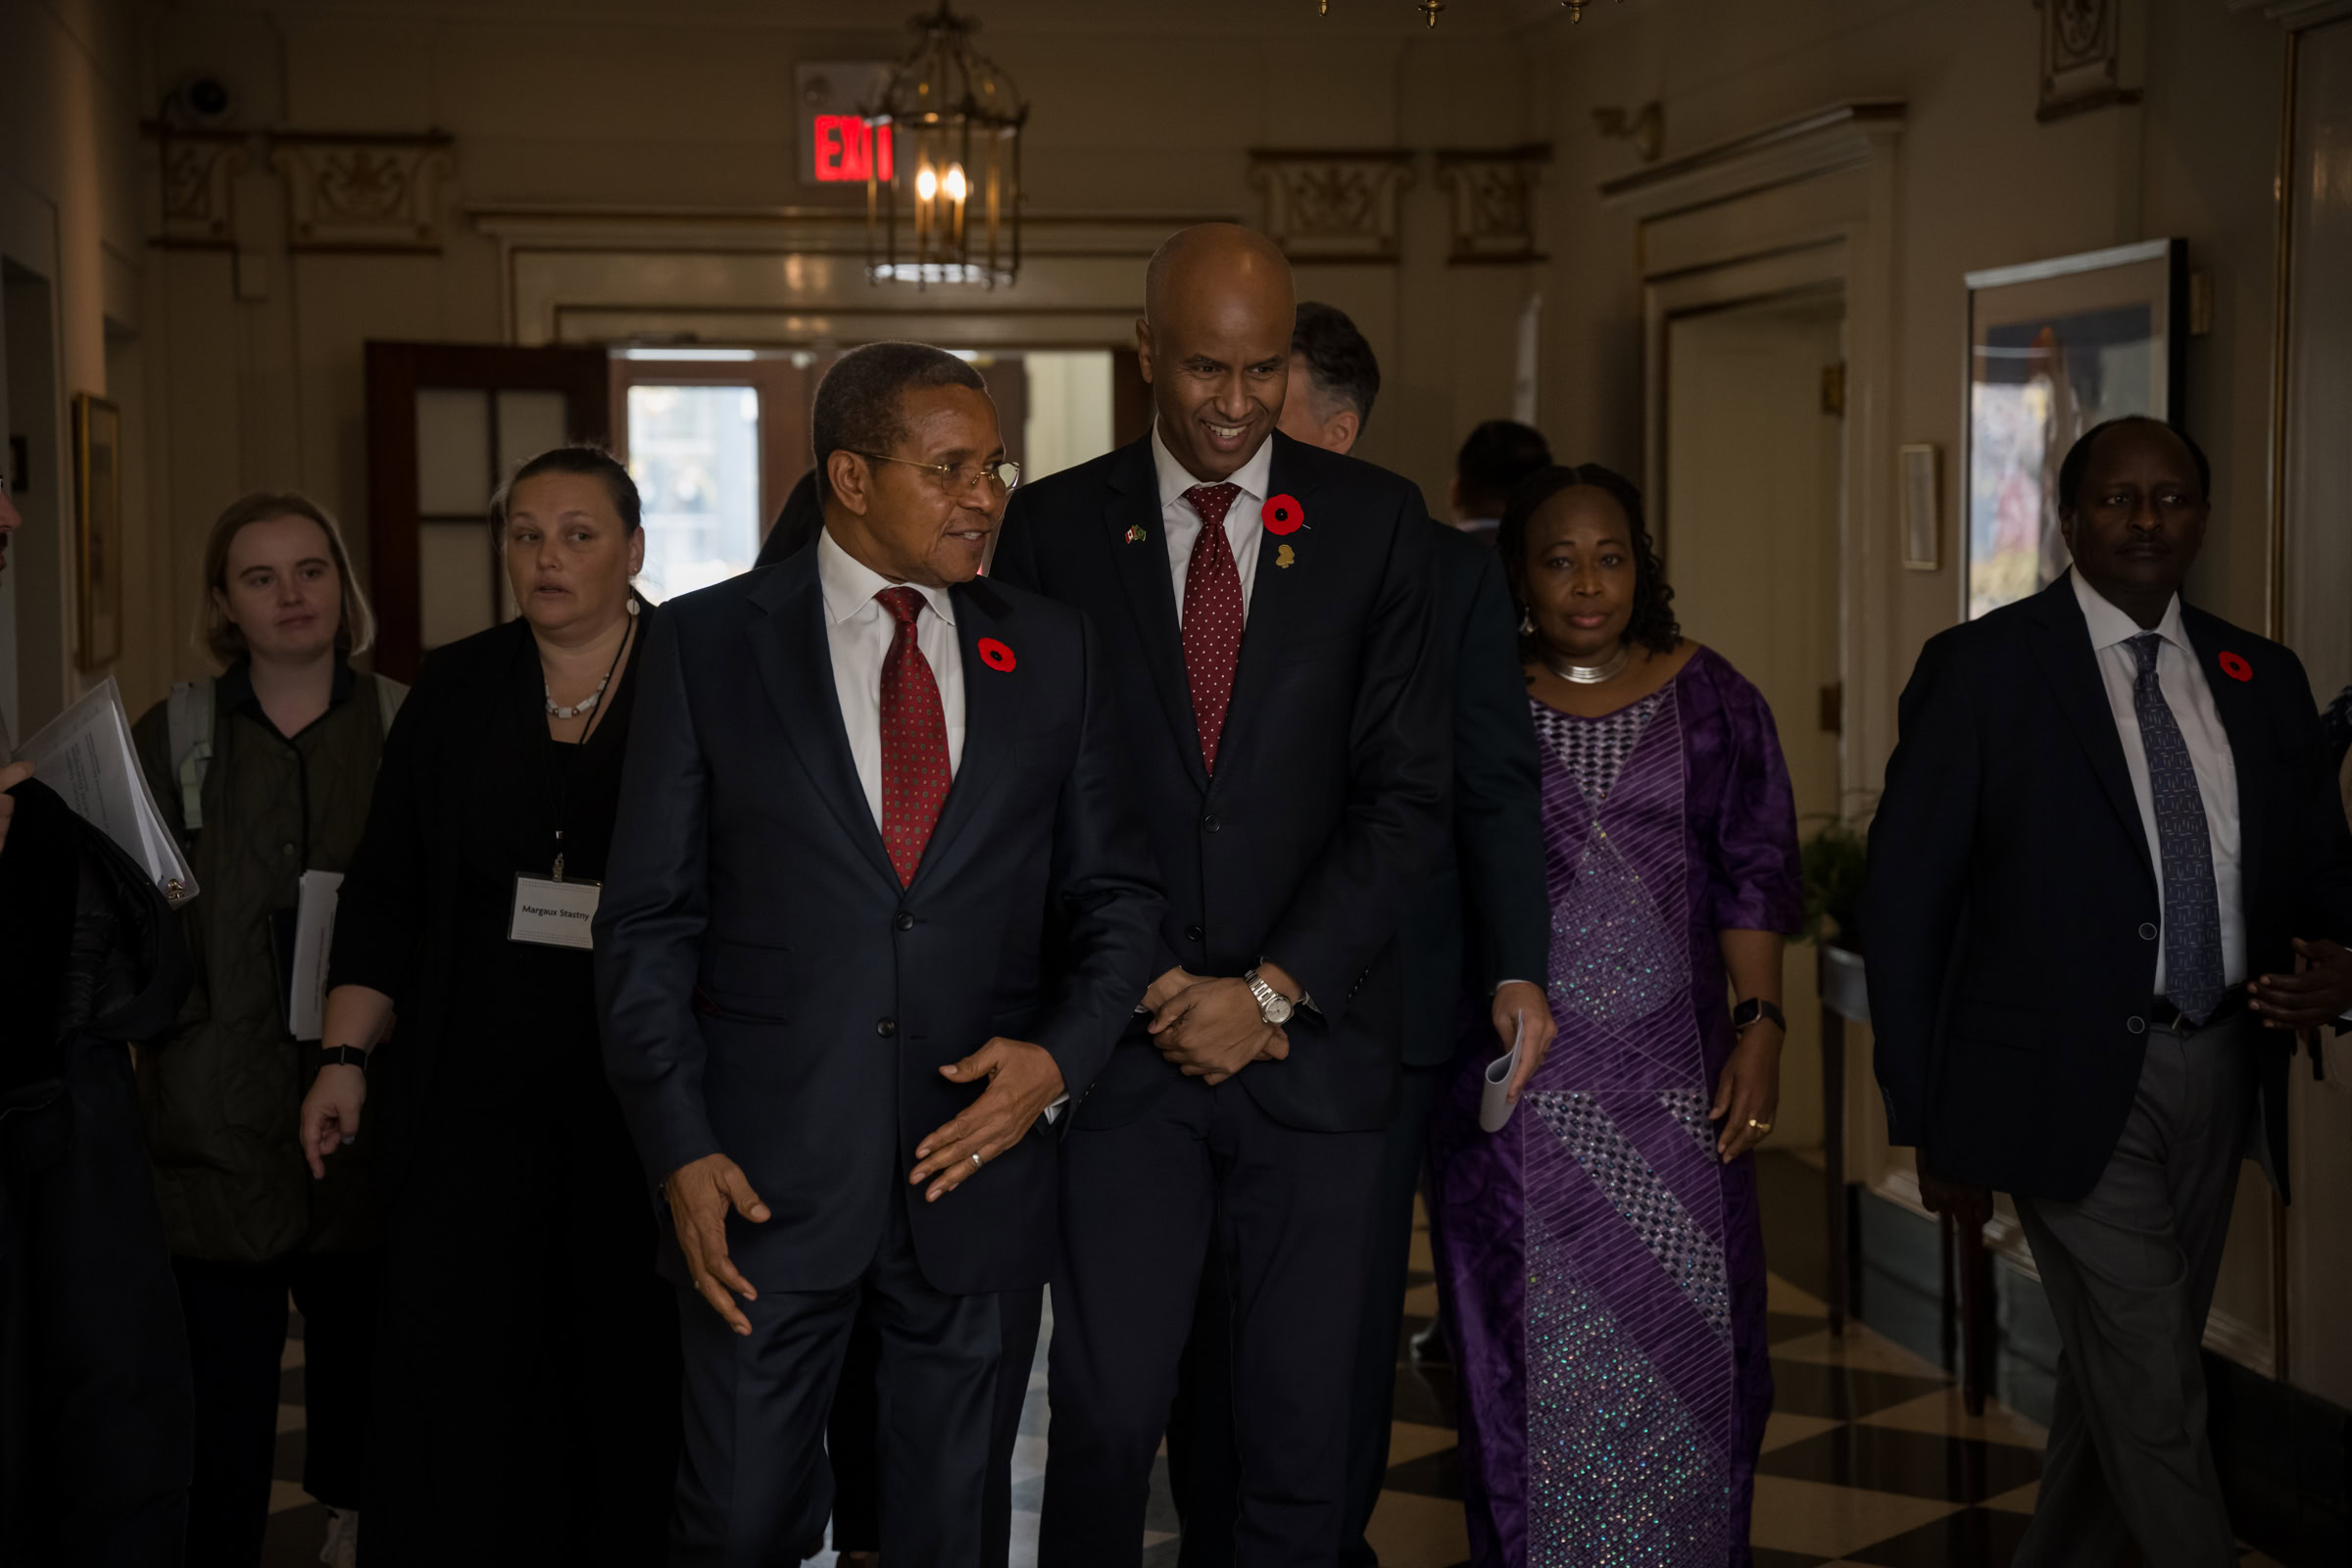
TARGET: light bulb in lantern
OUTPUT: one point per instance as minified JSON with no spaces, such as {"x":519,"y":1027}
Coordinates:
{"x":926,"y":182}
{"x":955,"y":185}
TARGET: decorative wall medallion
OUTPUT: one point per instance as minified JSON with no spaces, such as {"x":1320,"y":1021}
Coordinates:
{"x":196,"y":169}
{"x":367,"y":193}
{"x":1333,"y":205}
{"x":1493,"y":203}
{"x":2082,"y":57}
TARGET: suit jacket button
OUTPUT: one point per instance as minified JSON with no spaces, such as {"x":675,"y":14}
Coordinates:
{"x":2147,"y":931}
{"x":886,"y":1027}
{"x":1208,"y":824}
{"x":1192,"y":933}
{"x":904,"y":921}
{"x":2138,"y":1026}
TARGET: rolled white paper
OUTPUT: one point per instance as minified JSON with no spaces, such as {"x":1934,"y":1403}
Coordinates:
{"x":1494,"y":1106}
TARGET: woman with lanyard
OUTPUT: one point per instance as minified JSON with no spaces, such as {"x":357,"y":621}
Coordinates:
{"x":528,"y":1398}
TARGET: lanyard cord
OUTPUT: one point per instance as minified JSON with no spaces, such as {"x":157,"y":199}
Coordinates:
{"x":562,"y":771}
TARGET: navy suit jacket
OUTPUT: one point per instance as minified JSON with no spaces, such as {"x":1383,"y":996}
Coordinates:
{"x":2009,"y":914}
{"x":770,"y":992}
{"x":1329,"y":800}
{"x":1484,"y":915}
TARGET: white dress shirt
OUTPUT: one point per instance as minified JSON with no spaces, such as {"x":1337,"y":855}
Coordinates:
{"x":2187,"y":691}
{"x":1244,"y":527}
{"x":859,"y":632}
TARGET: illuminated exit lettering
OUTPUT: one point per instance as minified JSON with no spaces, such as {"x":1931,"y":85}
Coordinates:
{"x":846,"y":149}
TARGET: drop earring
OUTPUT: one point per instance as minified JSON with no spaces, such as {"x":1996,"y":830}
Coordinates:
{"x":1527,"y":624}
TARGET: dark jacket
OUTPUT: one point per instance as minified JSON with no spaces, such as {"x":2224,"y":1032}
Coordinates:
{"x":772,"y":993}
{"x":1329,"y":800}
{"x":222,"y":1093}
{"x":796,"y":525}
{"x":2011,"y":903}
{"x":1483,"y":917}
{"x":95,"y":1444}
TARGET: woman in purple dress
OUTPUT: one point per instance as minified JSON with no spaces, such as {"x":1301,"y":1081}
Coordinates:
{"x":1601,"y":1255}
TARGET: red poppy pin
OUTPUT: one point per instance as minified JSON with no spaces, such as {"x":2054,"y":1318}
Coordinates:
{"x":994,"y":655}
{"x":2236,"y":667}
{"x":1282,"y":514}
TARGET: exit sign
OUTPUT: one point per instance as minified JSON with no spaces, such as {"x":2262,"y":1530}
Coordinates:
{"x":830,"y":99}
{"x":846,"y":148}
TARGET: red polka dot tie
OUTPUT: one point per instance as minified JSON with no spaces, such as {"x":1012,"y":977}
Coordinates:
{"x":1212,"y":616}
{"x":914,"y":740}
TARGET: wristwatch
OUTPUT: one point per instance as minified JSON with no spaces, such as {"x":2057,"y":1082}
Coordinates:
{"x":1272,"y":1004}
{"x":346,"y":1056}
{"x":1755,"y":1007}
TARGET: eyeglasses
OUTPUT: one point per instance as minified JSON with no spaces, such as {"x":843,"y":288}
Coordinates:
{"x":957,"y":479}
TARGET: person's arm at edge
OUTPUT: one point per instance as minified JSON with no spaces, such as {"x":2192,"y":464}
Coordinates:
{"x":1402,"y":757}
{"x":1110,"y":895}
{"x":1498,"y":795}
{"x":651,"y":916}
{"x":1015,"y":563}
{"x":1916,"y":884}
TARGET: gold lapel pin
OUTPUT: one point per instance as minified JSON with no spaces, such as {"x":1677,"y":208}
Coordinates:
{"x":1136,"y":535}
{"x":1285,"y":557}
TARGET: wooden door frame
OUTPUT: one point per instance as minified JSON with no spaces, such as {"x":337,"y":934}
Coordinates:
{"x":395,"y":371}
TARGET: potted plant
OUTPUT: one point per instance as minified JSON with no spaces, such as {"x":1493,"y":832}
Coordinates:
{"x":1834,"y":857}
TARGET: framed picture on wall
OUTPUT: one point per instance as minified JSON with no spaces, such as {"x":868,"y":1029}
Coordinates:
{"x":97,"y":531}
{"x":2054,"y":348}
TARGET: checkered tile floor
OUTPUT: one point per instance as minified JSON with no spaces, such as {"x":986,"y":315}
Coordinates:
{"x":1870,"y":1458}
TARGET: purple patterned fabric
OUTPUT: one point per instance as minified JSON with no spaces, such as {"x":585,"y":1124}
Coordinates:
{"x":1603,"y":1273}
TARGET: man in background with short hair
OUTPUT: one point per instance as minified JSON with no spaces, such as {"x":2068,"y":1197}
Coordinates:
{"x":1497,"y":455}
{"x":1481,"y":918}
{"x":1333,"y":379}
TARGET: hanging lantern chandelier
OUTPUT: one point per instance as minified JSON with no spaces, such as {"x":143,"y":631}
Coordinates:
{"x":943,"y":190}
{"x":1430,"y":9}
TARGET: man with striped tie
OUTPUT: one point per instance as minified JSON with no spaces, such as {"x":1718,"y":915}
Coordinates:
{"x":1265,"y":612}
{"x":878,"y":908}
{"x":2108,"y":836}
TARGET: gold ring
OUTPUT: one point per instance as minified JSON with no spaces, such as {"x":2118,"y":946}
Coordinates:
{"x":1760,"y":1126}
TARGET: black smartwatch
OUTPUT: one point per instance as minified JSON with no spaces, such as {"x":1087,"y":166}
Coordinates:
{"x":348,"y":1056}
{"x":1755,"y":1007}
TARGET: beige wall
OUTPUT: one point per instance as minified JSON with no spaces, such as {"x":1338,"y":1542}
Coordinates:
{"x":73,"y":73}
{"x":1981,"y":184}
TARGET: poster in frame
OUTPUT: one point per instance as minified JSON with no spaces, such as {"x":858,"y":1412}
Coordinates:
{"x":2054,"y":348}
{"x":98,"y":530}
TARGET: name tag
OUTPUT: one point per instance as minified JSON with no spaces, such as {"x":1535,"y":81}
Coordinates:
{"x":554,"y":915}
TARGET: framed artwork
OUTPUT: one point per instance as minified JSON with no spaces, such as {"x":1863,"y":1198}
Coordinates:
{"x":2054,"y":348}
{"x":1923,"y":507}
{"x":98,"y":529}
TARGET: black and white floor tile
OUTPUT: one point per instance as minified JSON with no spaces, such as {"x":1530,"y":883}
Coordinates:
{"x":1870,"y":1460}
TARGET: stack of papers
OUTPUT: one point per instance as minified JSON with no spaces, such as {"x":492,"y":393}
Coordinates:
{"x":84,"y":754}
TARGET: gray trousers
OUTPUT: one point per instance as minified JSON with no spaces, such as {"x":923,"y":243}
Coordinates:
{"x":2130,"y":1271}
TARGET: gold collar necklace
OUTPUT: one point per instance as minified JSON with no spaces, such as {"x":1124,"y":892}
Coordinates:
{"x":1591,"y":674}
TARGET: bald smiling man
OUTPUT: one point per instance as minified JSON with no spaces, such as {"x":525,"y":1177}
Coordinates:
{"x":1265,"y":614}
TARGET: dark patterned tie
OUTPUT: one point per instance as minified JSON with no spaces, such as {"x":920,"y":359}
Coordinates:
{"x":2192,"y":919}
{"x":914,"y":740}
{"x":1212,"y":616}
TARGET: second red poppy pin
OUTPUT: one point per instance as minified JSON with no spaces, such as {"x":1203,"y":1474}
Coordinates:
{"x":994,"y":655}
{"x":2234,"y":666}
{"x":1282,"y":514}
